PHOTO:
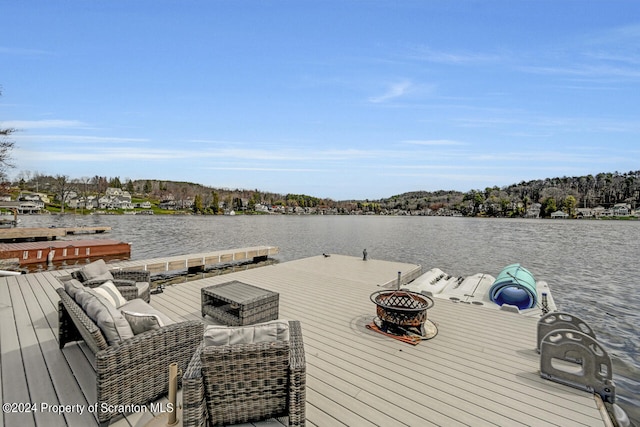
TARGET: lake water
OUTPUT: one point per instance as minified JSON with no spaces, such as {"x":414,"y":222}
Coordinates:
{"x":591,"y":266}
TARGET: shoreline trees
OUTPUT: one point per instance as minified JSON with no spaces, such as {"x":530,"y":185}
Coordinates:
{"x":551,"y":194}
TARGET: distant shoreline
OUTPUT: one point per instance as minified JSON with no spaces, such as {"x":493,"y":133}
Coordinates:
{"x":179,"y":213}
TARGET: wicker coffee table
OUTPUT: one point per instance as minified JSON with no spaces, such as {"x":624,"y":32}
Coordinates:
{"x":237,"y":304}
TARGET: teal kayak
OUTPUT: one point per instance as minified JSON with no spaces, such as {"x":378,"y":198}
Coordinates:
{"x":514,"y":285}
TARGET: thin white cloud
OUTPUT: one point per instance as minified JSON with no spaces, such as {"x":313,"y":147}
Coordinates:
{"x":567,"y":157}
{"x":42,"y":124}
{"x":434,"y":142}
{"x":394,"y":91}
{"x":453,"y":58}
{"x":585,"y":71}
{"x":100,"y":155}
{"x":77,"y":139}
{"x":625,"y":35}
{"x":259,"y":169}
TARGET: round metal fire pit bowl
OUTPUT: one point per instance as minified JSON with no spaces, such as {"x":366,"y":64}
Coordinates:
{"x":402,"y":308}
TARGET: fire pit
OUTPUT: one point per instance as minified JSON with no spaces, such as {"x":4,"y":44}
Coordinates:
{"x":401,"y":311}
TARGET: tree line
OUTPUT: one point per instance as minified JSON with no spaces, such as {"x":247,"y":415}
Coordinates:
{"x":552,"y":194}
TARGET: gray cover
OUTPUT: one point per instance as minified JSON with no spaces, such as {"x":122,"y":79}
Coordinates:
{"x":110,"y":321}
{"x":139,"y":306}
{"x":97,"y":270}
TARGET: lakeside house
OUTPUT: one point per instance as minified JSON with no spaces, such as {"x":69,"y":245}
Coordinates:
{"x":559,"y":215}
{"x":617,"y":210}
{"x":534,"y":210}
{"x":621,"y":209}
{"x":114,"y":198}
{"x":584,"y":213}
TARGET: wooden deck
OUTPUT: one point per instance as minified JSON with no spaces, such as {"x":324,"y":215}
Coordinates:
{"x":481,"y":369}
{"x":41,"y":233}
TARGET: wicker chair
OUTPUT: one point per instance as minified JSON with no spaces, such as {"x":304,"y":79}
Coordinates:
{"x":242,"y":383}
{"x":130,"y":283}
{"x":134,"y":371}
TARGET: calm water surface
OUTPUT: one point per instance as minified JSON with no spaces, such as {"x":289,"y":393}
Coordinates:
{"x":591,"y":266}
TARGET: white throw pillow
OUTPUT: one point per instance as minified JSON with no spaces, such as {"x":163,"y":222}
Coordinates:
{"x":111,"y":293}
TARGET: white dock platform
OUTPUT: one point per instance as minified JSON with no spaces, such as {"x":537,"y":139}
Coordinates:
{"x":481,"y":369}
{"x":184,"y":262}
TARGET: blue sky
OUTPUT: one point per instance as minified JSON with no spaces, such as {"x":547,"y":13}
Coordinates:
{"x":340,"y":99}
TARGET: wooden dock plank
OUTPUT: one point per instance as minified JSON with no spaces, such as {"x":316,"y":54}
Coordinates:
{"x":40,"y":386}
{"x":64,"y":383}
{"x":447,"y":360}
{"x":310,"y":299}
{"x":338,"y":414}
{"x":347,"y":393}
{"x":46,"y":233}
{"x":8,"y":234}
{"x":481,"y":368}
{"x":14,"y":381}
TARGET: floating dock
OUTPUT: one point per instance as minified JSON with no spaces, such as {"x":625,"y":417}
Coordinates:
{"x":19,"y":234}
{"x":198,"y":262}
{"x":481,"y":369}
{"x":63,"y":250}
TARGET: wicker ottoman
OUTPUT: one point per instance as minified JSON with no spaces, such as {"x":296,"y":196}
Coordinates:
{"x":238,"y":304}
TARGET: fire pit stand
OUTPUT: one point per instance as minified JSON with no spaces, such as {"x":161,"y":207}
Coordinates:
{"x":403,"y":312}
{"x":400,"y":312}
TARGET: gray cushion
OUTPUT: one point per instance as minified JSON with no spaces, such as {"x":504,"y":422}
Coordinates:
{"x":276,"y":330}
{"x":142,"y":287}
{"x":110,"y":321}
{"x":72,"y":287}
{"x":97,"y":270}
{"x":140,"y":306}
{"x":109,"y":291}
{"x":142,"y":322}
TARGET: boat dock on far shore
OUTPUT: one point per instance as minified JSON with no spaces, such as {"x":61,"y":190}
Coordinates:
{"x":480,"y":369}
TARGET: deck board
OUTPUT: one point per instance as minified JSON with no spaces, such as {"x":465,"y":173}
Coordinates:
{"x":316,"y":306}
{"x":481,"y":368}
{"x":14,"y":381}
{"x":60,"y":374}
{"x":41,"y":389}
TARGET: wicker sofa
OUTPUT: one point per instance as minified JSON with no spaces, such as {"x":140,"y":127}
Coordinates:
{"x":131,"y":283}
{"x":238,"y":382}
{"x":131,"y":368}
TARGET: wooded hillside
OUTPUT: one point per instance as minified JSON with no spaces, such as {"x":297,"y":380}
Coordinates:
{"x":566,"y":193}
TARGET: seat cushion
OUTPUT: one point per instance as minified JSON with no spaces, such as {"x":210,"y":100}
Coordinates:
{"x":111,"y":322}
{"x":140,"y":306}
{"x":97,"y":270}
{"x":275,"y":330}
{"x":142,"y":287}
{"x":110,"y":291}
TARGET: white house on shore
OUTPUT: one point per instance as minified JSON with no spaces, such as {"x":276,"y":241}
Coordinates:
{"x":559,"y":215}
